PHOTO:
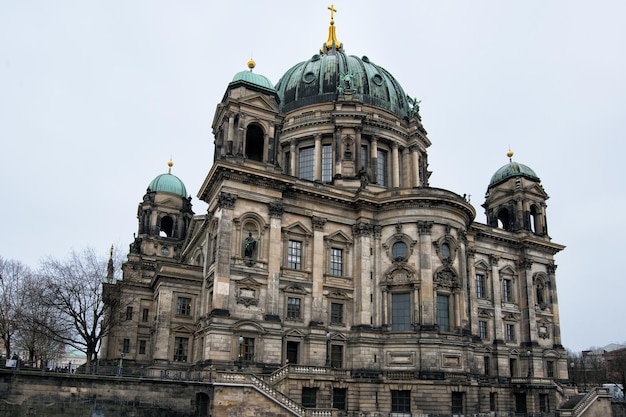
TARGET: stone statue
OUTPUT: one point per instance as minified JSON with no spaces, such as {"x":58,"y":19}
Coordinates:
{"x":347,"y":79}
{"x":250,"y":246}
{"x":414,"y":105}
{"x":364,"y":175}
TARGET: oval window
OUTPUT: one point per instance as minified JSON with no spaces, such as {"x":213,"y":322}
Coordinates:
{"x":445,"y":251}
{"x":399,"y":251}
{"x":309,"y":77}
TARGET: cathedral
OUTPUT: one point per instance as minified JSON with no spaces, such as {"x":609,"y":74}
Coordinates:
{"x":327,"y":266}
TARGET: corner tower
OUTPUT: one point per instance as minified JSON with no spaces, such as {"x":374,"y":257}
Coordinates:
{"x":164,"y":216}
{"x":515,"y":199}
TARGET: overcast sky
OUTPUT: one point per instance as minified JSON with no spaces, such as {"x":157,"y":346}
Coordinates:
{"x":95,"y":96}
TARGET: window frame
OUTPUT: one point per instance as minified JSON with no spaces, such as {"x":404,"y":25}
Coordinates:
{"x":382,"y":167}
{"x":306,"y":163}
{"x":509,"y":332}
{"x":444,"y":317}
{"x":481,"y":287}
{"x":291,"y":312}
{"x":336,"y":263}
{"x":184,"y":308}
{"x":294,"y":253}
{"x":400,"y":401}
{"x":482,"y":330}
{"x":399,"y":312}
{"x":180,"y":349}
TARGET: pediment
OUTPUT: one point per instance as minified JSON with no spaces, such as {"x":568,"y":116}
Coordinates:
{"x":259,"y":101}
{"x":183,"y":329}
{"x":338,"y":236}
{"x":297,"y":229}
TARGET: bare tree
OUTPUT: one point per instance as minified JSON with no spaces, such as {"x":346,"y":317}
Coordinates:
{"x":38,"y":324}
{"x":12,"y":276}
{"x":74,"y":290}
{"x":616,"y":368}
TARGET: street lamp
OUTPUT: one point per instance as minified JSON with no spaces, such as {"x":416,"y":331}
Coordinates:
{"x":119,"y":365}
{"x":530,"y":369}
{"x":240,"y":365}
{"x":327,"y":348}
{"x":571,"y":367}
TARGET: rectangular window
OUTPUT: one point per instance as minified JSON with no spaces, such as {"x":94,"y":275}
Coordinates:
{"x":294,"y":255}
{"x":293,"y":308}
{"x":550,"y":369}
{"x":443,"y":312}
{"x":513,"y":366}
{"x":400,"y":401}
{"x":480,"y":286}
{"x":544,"y":404}
{"x":486,"y":364}
{"x":336,"y":356}
{"x":364,"y":157}
{"x":336,"y":313}
{"x":129,"y":313}
{"x":482,"y":329}
{"x":183,"y":306}
{"x":142,"y":347}
{"x":457,"y":403}
{"x":339,"y":399}
{"x":401,"y":311}
{"x":507,"y":291}
{"x":247,"y":349}
{"x":510,"y":332}
{"x":336,"y":262}
{"x":306,"y":163}
{"x":381,"y":174}
{"x":492,"y":401}
{"x":309,"y":397}
{"x":181,"y":348}
{"x":144,"y":315}
{"x":126,"y":346}
{"x":327,"y":163}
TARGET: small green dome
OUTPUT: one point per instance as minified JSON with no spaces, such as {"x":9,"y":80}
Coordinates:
{"x":168,"y":183}
{"x":511,"y":170}
{"x":249,"y":77}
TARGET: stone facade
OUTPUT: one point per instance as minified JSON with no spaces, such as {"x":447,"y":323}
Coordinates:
{"x":324,"y":248}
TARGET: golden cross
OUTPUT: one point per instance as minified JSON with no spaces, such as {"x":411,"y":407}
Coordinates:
{"x":332,"y":11}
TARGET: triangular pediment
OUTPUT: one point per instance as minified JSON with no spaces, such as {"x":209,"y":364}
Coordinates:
{"x":297,"y":229}
{"x":183,"y":329}
{"x":338,"y":236}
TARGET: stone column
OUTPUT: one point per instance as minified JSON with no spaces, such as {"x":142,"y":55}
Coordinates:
{"x":221,"y":286}
{"x":317,"y":164}
{"x":318,"y":270}
{"x":273,"y":265}
{"x":338,"y":150}
{"x":357,"y":148}
{"x":527,"y":303}
{"x":473,"y":299}
{"x":426,"y":272}
{"x":395,"y":166}
{"x":406,"y":165}
{"x":496,"y":286}
{"x":363,"y":273}
{"x":374,"y":158}
{"x":161,"y":338}
{"x":230,"y":134}
{"x":415,"y":166}
{"x":552,"y":295}
{"x":292,"y":159}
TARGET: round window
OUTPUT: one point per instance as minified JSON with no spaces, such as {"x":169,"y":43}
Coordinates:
{"x":399,"y":251}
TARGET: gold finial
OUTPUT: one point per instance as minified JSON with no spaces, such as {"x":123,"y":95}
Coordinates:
{"x":332,"y":34}
{"x":251,"y":64}
{"x":510,"y":155}
{"x":169,"y":164}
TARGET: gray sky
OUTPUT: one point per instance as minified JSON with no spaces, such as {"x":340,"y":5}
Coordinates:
{"x":95,"y":96}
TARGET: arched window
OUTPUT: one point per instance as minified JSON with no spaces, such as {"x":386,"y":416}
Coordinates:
{"x":255,"y":141}
{"x":503,"y":219}
{"x":167,"y":226}
{"x":445,"y":251}
{"x":399,"y":251}
{"x":535,"y":220}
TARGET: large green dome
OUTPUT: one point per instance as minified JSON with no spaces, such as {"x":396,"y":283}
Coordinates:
{"x":168,"y":183}
{"x":325,"y":75}
{"x":511,"y":170}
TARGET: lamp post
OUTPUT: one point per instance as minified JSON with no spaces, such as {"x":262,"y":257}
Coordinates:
{"x":239,"y":364}
{"x":571,"y":367}
{"x":327,"y":348}
{"x":530,"y":368}
{"x":119,"y":365}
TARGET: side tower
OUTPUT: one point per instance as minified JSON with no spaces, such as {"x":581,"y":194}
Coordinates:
{"x":515,"y":199}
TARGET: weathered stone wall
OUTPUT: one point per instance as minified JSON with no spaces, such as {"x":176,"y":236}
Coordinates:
{"x":63,"y":395}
